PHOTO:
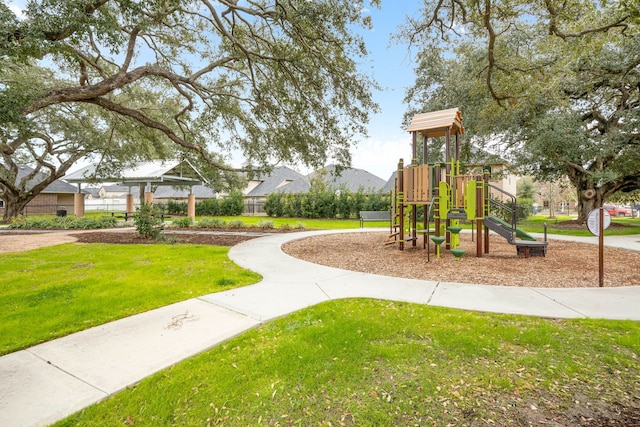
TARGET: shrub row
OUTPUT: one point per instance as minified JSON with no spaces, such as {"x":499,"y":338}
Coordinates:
{"x":220,"y":223}
{"x":325,"y":204}
{"x":232,"y":205}
{"x":63,"y":223}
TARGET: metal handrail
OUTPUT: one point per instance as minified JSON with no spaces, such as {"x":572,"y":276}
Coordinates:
{"x":499,"y":204}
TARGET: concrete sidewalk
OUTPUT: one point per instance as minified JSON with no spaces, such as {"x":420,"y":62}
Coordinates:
{"x":47,"y":382}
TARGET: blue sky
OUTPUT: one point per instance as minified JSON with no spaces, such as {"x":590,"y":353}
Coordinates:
{"x":392,"y":67}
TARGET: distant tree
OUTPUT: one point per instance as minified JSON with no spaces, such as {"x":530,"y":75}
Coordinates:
{"x":525,"y":188}
{"x":630,"y":198}
{"x":525,"y":196}
{"x":553,"y":86}
{"x":123,"y":80}
{"x":556,"y":193}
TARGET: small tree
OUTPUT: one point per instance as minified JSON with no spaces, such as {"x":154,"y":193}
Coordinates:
{"x":148,"y":220}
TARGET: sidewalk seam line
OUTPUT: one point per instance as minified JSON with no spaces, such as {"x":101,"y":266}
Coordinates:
{"x":323,"y":291}
{"x":48,"y":362}
{"x":432,"y":293}
{"x":539,"y":292}
{"x":254,"y":316}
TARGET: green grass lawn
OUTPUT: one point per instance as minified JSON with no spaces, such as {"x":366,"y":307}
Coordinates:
{"x":535,"y":224}
{"x":52,"y":292}
{"x":351,"y":362}
{"x":307,"y":223}
{"x":254,"y":220}
{"x":376,"y":363}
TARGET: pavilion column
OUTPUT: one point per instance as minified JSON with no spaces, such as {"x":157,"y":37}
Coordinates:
{"x":130,"y":204}
{"x":148,"y":194}
{"x":78,"y":205}
{"x":191,"y":206}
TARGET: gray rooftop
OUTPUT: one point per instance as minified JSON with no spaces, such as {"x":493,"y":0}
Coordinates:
{"x":350,"y":178}
{"x":56,"y":186}
{"x":281,"y":180}
{"x":391,"y":183}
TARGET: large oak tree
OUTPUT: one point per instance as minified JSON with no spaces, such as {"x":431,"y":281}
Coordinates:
{"x":554,"y":84}
{"x":121,"y":80}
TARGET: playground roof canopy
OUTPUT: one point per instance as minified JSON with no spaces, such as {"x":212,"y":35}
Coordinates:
{"x":436,"y":123}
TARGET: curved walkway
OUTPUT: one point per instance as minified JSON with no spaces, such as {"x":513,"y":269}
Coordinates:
{"x":290,"y":284}
{"x":47,"y":382}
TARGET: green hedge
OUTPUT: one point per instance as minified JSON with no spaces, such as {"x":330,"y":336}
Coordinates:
{"x":325,"y":204}
{"x":63,"y":223}
{"x":232,"y":205}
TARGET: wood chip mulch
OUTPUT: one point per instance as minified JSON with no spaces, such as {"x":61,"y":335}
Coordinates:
{"x":566,"y":265}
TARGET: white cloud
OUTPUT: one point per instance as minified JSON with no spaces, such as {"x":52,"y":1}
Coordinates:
{"x":381,"y":157}
{"x":17,"y":7}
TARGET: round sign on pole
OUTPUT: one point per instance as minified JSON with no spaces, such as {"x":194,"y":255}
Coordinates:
{"x":593,"y":221}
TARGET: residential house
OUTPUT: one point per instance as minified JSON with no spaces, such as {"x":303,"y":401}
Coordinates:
{"x":56,"y":196}
{"x":350,"y":179}
{"x":91,"y":192}
{"x":165,"y":193}
{"x":501,"y":174}
{"x":281,"y":179}
{"x":285,"y":180}
{"x":115,"y":191}
{"x":390,"y":185}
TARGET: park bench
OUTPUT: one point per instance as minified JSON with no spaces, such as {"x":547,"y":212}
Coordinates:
{"x":129,"y":215}
{"x":122,"y":215}
{"x":369,"y":216}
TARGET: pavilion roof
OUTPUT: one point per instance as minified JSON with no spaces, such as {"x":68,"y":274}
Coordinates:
{"x":171,"y":172}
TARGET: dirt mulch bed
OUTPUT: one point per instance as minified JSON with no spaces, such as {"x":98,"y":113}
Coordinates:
{"x":566,"y":265}
{"x":192,"y":238}
{"x":16,"y":241}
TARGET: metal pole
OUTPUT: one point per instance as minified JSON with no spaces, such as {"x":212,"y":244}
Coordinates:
{"x":601,"y":249}
{"x":400,"y":201}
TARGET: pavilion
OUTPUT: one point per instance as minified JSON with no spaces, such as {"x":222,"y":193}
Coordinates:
{"x":147,"y":176}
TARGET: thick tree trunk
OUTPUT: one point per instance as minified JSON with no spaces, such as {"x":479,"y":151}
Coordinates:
{"x":588,"y":203}
{"x":590,"y":197}
{"x":14,"y":206}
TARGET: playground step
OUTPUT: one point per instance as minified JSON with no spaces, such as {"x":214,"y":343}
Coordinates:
{"x":528,"y":248}
{"x":520,"y":234}
{"x":501,"y":228}
{"x":457,"y":215}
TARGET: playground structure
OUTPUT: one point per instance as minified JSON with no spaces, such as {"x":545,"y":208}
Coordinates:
{"x":442,"y":190}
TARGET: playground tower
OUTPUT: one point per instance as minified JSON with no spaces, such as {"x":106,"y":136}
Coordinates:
{"x":444,"y":192}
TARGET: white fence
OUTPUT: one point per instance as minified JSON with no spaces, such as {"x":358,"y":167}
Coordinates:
{"x":107,"y":205}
